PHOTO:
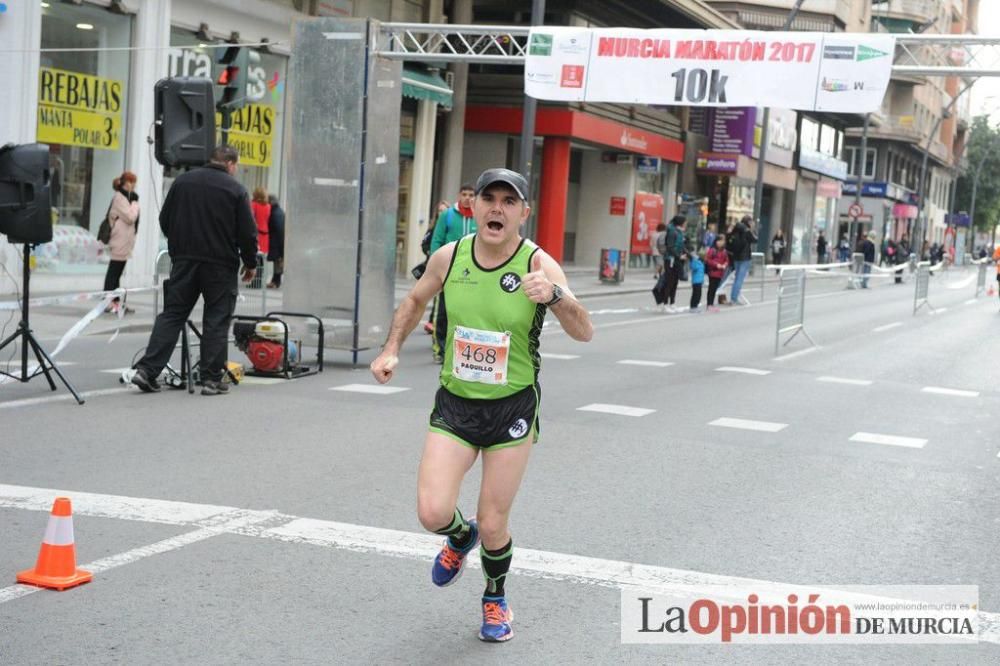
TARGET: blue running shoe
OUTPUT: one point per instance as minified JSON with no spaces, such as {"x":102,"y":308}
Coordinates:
{"x":450,"y":562}
{"x":496,"y":620}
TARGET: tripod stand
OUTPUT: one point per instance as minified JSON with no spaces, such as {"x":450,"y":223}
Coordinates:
{"x":27,"y":338}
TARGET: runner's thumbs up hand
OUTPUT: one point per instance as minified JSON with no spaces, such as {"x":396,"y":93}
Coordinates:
{"x":536,"y":286}
{"x":383,"y":366}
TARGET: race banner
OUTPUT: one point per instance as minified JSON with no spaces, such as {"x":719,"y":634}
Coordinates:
{"x":808,"y":71}
{"x":77,"y":109}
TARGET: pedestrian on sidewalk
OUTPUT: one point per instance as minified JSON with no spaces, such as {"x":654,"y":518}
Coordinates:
{"x":276,"y":240}
{"x":262,"y":216}
{"x":821,"y":247}
{"x":778,"y":250}
{"x":454,"y":223}
{"x":123,"y":217}
{"x":697,"y":279}
{"x":741,"y":243}
{"x":659,"y":248}
{"x":209,"y":226}
{"x":867,"y":249}
{"x":500,"y":287}
{"x":665,"y":291}
{"x":843,"y":249}
{"x":716,"y":262}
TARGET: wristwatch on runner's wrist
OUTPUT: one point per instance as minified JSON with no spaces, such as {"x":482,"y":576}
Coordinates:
{"x":557,"y":294}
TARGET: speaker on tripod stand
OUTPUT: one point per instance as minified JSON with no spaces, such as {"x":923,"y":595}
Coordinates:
{"x":25,"y":218}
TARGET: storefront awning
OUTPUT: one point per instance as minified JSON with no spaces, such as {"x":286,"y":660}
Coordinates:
{"x":418,"y":84}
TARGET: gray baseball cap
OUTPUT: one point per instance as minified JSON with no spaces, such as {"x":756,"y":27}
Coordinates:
{"x":512,"y":178}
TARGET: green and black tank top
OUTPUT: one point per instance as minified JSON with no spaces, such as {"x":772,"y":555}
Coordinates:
{"x":493,"y":327}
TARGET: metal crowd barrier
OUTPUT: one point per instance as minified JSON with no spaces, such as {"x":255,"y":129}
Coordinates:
{"x":922,"y":287}
{"x":981,"y":279}
{"x":791,"y":307}
{"x":758,"y":264}
{"x":253,"y":297}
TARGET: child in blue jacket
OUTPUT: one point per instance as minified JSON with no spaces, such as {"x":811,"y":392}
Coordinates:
{"x":697,"y":279}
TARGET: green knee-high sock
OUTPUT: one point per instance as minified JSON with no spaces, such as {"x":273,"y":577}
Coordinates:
{"x":496,"y":564}
{"x":457,"y":531}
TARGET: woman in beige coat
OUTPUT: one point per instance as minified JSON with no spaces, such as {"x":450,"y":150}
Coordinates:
{"x":123,"y":214}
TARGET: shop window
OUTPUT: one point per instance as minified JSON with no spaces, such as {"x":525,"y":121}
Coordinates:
{"x":82,"y":111}
{"x":809,"y":133}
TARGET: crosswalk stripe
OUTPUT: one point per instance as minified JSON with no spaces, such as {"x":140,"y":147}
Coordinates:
{"x":620,"y":410}
{"x":949,"y":391}
{"x":369,"y":388}
{"x":746,"y":424}
{"x":844,"y":380}
{"x":890,"y":440}
{"x":652,"y":364}
{"x":745,"y":371}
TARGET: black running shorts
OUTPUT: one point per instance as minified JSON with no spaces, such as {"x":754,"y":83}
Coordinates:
{"x":487,"y":424}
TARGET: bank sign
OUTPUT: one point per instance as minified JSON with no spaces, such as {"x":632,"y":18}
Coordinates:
{"x":77,"y":109}
{"x":839,"y":73}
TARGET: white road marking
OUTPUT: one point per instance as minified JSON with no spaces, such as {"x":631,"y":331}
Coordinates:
{"x":949,"y":391}
{"x":262,"y":381}
{"x":369,"y":388}
{"x":614,"y":311}
{"x":887,"y":327}
{"x":939,"y":311}
{"x":15,"y":369}
{"x":845,"y":380}
{"x":745,"y":424}
{"x":61,"y":396}
{"x":559,"y":357}
{"x":621,"y":410}
{"x":891,"y":440}
{"x":575,"y":569}
{"x":115,"y":371}
{"x":801,"y":352}
{"x":971,"y":301}
{"x":652,"y":364}
{"x":745,"y":371}
{"x":227,"y":522}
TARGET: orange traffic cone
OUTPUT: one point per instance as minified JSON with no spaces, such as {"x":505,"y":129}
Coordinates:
{"x":56,"y":566}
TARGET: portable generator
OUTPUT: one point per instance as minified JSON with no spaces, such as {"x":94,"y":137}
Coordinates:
{"x":266,"y":342}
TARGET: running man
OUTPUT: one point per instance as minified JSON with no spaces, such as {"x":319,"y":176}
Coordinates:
{"x":498,"y":287}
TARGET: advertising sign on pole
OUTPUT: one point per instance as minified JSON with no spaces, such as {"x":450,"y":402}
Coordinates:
{"x":812,"y":71}
{"x":646,"y":214}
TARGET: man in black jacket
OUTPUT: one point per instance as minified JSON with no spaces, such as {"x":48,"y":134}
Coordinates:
{"x":209,"y":227}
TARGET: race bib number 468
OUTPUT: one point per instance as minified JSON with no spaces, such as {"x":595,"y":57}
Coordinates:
{"x":480,"y":356}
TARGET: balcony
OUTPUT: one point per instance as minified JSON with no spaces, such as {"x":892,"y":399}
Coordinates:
{"x":896,"y":13}
{"x":777,"y":10}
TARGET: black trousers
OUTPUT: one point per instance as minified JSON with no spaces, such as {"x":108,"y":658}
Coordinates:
{"x":189,"y":280}
{"x":440,"y":325}
{"x":673,"y":277}
{"x":695,"y":295}
{"x":713,"y":286}
{"x":113,"y":278}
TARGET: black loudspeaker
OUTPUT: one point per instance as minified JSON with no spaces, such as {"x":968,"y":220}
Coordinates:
{"x":25,"y":202}
{"x":185,"y":121}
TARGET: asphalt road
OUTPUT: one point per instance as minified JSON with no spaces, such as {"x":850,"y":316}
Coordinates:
{"x":247,"y":535}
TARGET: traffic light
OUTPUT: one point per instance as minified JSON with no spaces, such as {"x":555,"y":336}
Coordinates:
{"x":235,"y":62}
